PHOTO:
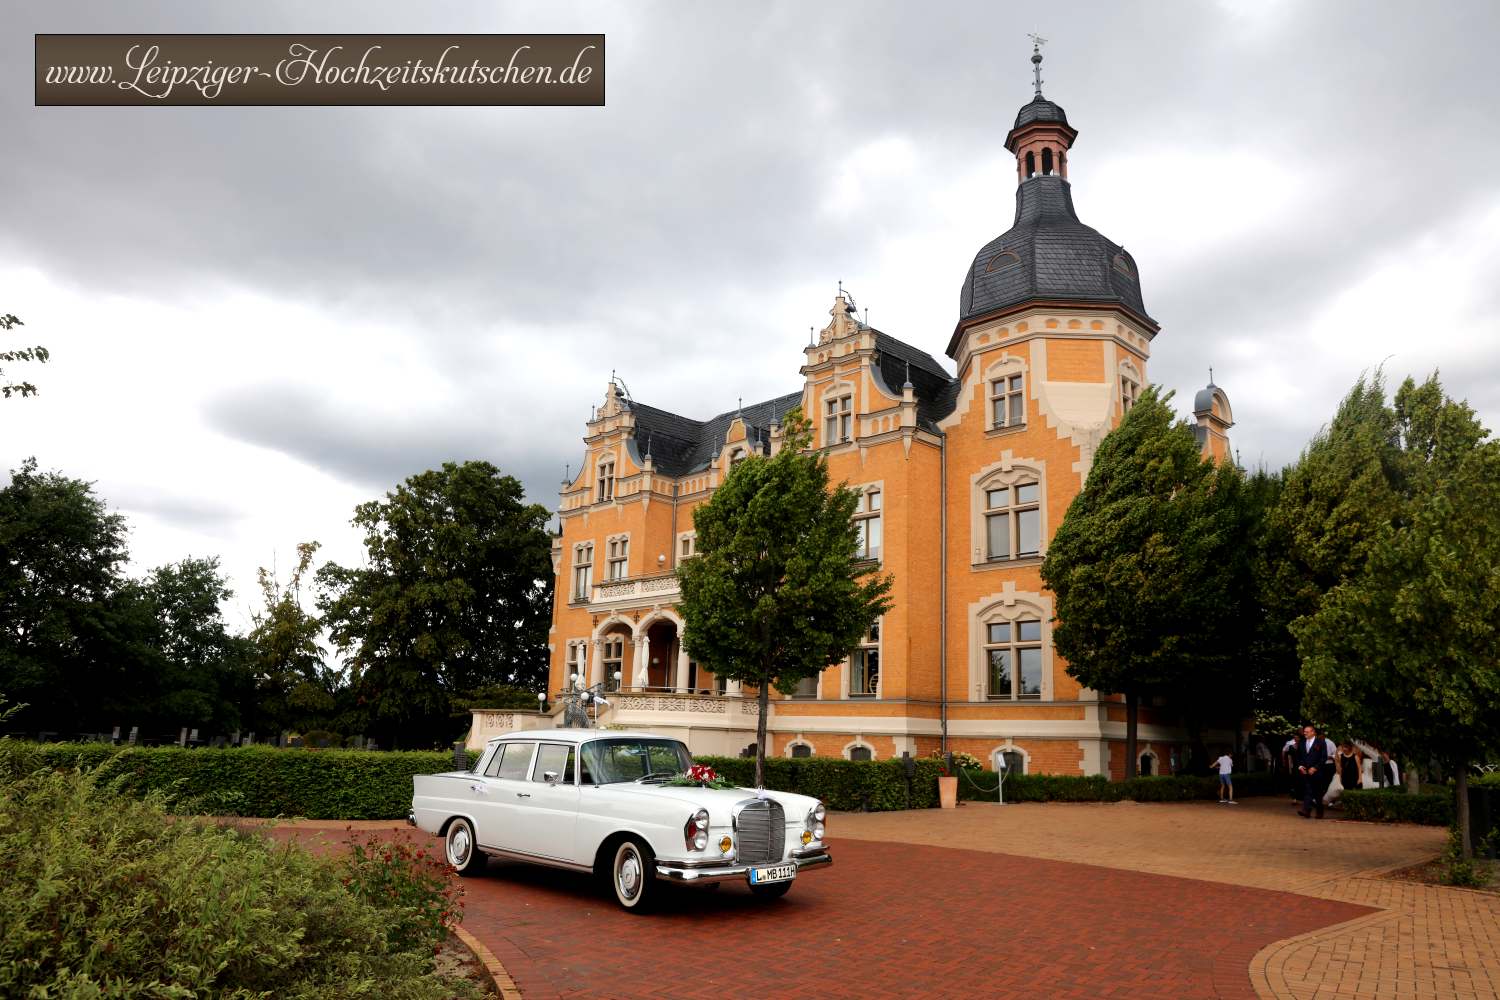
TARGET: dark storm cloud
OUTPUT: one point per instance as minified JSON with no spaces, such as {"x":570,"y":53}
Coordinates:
{"x":703,"y":182}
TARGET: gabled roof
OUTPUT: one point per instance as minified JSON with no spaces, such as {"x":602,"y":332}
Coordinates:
{"x":679,"y":445}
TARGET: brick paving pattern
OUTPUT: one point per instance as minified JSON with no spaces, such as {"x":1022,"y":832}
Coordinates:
{"x":1059,"y":900}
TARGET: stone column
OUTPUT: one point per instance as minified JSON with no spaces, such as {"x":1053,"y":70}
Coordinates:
{"x":596,"y":664}
{"x":734,"y":689}
{"x":682,"y":669}
{"x":640,"y":663}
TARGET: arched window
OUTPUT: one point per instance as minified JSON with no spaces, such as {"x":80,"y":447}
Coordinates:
{"x":1014,"y":762}
{"x":1047,"y":162}
{"x":861,"y":752}
{"x":1003,"y":259}
{"x":1148,"y":762}
{"x":801,"y":750}
{"x":1030,"y":164}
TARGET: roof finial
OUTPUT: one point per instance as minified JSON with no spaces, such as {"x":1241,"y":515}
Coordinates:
{"x":1210,"y":374}
{"x":567,"y":473}
{"x":648,"y":446}
{"x":1037,"y":41}
{"x":812,"y":338}
{"x":907,"y":384}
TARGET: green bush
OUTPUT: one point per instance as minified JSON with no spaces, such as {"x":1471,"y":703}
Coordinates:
{"x":1383,"y":806}
{"x":246,"y":781}
{"x":847,"y":785}
{"x":980,"y":785}
{"x":103,"y":894}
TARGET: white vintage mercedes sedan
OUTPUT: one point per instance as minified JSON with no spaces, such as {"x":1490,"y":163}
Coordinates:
{"x":605,"y":802}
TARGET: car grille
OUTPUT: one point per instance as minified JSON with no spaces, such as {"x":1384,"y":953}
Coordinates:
{"x":762,"y":826}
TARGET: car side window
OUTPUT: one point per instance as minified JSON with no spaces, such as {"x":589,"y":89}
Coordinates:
{"x":517,"y":761}
{"x":554,"y":758}
{"x":492,"y":769}
{"x":484,"y":760}
{"x":585,"y":766}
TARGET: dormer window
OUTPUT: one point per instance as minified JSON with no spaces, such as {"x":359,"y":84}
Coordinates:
{"x":1003,"y":259}
{"x":606,"y":490}
{"x":1122,"y":264}
{"x":838,"y":423}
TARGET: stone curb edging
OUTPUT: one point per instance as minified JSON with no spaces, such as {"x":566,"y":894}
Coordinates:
{"x":1265,"y":970}
{"x":503,"y":983}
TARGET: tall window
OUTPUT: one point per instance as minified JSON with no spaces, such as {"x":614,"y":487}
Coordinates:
{"x":838,"y":423}
{"x":606,"y":489}
{"x":619,"y":557}
{"x":1008,"y":401}
{"x":583,"y":571}
{"x":687,"y":546}
{"x":578,"y":662}
{"x":864,"y":666}
{"x":1013,"y":651}
{"x":1013,"y":521}
{"x":867,"y":521}
{"x":614,"y":661}
{"x":1129,"y":390}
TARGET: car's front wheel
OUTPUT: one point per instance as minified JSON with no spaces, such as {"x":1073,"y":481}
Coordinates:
{"x":462,"y":848}
{"x":632,"y":875}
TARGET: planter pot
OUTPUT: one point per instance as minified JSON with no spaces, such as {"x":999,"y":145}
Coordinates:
{"x":948,"y":791}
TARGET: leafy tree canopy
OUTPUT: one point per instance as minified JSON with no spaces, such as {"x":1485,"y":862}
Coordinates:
{"x":455,"y":594}
{"x":1149,"y":567}
{"x":294,"y":688}
{"x":777,"y":591}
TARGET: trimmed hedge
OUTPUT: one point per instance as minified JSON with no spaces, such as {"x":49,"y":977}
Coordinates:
{"x":246,"y":781}
{"x":1383,"y":806}
{"x":846,"y":785}
{"x":1097,"y":788}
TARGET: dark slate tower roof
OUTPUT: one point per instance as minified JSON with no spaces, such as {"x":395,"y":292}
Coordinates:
{"x":1049,"y":254}
{"x":679,"y":445}
{"x":1040,"y":110}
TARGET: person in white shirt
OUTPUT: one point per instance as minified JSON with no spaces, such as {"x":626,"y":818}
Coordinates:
{"x":1225,"y":764}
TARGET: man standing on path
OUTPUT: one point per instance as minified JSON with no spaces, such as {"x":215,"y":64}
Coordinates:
{"x":1312,"y":759}
{"x":1226,"y":786}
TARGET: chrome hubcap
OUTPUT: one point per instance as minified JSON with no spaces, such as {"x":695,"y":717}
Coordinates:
{"x":629,"y":876}
{"x":458,"y":846}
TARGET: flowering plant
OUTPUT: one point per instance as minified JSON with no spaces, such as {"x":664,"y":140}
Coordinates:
{"x":702,"y":776}
{"x":961,"y":760}
{"x":419,"y":892}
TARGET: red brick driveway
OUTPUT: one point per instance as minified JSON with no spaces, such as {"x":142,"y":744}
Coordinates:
{"x":894,"y":920}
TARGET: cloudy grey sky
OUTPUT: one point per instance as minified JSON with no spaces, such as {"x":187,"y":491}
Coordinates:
{"x":261,"y":317}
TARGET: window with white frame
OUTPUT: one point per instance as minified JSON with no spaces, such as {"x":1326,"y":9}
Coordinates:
{"x":838,"y":421}
{"x":1013,"y":655}
{"x":1008,"y":401}
{"x":801,"y":750}
{"x":1012,"y":520}
{"x":619,"y":558}
{"x":606,"y":490}
{"x":1130,"y":390}
{"x":1014,"y":761}
{"x":583,"y":571}
{"x":687,"y":545}
{"x":864,"y":666}
{"x":867,"y":522}
{"x":614,"y":661}
{"x":861,"y":752}
{"x":578,"y":662}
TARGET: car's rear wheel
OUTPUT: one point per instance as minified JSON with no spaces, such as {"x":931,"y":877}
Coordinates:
{"x":632,"y":876}
{"x":462,"y":848}
{"x":771,"y":890}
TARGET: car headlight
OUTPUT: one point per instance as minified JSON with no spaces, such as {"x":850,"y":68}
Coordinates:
{"x":814,"y":824}
{"x":695,"y":830}
{"x":820,"y":813}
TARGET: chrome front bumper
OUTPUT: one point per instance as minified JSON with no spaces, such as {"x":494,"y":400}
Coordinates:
{"x":705,"y":873}
{"x":411,"y":817}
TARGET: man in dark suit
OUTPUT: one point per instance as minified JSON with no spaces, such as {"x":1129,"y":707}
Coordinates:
{"x":1311,"y":759}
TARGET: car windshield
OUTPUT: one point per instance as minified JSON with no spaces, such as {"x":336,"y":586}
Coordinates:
{"x":627,"y":759}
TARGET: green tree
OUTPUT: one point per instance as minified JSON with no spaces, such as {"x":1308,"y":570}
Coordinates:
{"x":1408,"y":646}
{"x":294,"y":688}
{"x":1322,"y":525}
{"x":70,"y":633}
{"x":777,"y":591}
{"x":455,"y":594}
{"x":1150,"y":569}
{"x":202,"y":670}
{"x":38,"y":354}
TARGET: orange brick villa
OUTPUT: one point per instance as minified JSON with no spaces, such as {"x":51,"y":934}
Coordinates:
{"x":965,"y":471}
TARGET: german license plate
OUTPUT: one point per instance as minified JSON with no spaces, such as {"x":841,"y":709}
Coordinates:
{"x":777,"y":873}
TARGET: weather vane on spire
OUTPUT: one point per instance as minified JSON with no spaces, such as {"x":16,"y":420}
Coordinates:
{"x":1037,"y":41}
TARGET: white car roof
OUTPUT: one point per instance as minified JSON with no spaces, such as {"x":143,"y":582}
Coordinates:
{"x":576,"y":735}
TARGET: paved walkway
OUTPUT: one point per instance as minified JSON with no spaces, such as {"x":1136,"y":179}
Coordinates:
{"x":1421,"y":942}
{"x":1178,"y":901}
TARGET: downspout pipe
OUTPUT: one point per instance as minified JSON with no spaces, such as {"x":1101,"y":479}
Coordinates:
{"x":943,"y":586}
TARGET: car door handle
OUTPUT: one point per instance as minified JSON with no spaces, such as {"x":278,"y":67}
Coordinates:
{"x":523,"y":795}
{"x":479,"y":789}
